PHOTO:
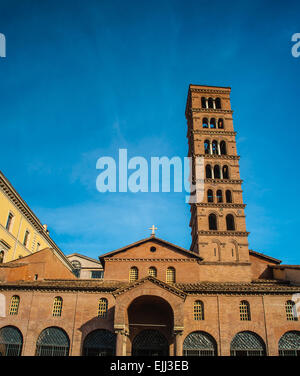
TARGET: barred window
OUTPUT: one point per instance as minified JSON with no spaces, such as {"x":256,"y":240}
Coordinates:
{"x":133,"y":274}
{"x":245,"y":311}
{"x":171,"y":275}
{"x":14,"y":305}
{"x":152,"y":271}
{"x":26,"y":237}
{"x":102,"y":308}
{"x":198,"y":310}
{"x":11,"y":341}
{"x":9,"y":222}
{"x":291,"y":314}
{"x":53,"y":341}
{"x":57,"y":306}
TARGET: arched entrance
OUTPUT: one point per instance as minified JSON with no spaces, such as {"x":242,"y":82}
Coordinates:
{"x":151,"y":323}
{"x":150,"y":342}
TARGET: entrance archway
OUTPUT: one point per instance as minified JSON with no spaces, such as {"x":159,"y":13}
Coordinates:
{"x":150,"y":342}
{"x":151,"y":324}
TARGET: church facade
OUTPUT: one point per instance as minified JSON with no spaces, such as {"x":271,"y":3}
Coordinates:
{"x":154,"y":297}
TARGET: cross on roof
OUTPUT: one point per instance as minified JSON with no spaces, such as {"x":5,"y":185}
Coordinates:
{"x":153,"y":228}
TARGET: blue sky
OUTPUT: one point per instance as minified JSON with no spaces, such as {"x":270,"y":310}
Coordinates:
{"x":84,"y":78}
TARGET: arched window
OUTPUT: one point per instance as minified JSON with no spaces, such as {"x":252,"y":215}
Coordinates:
{"x":217,"y":172}
{"x":100,"y":342}
{"x":203,"y":102}
{"x":133,"y":274}
{"x":212,"y":222}
{"x":221,"y":124}
{"x":199,"y":344}
{"x":102,"y":308}
{"x":198,"y":310}
{"x":228,"y":196}
{"x":14,"y":305}
{"x":1,"y":256}
{"x":245,"y":311}
{"x":219,"y":196}
{"x":208,"y":172}
{"x":289,"y":344}
{"x":210,"y":197}
{"x":212,"y":123}
{"x":210,"y":103}
{"x":206,"y":147}
{"x":171,"y":278}
{"x":215,"y":147}
{"x":11,"y":341}
{"x":218,"y":103}
{"x":53,"y":341}
{"x":76,"y":268}
{"x":152,"y":271}
{"x":230,"y":222}
{"x":290,"y":310}
{"x":57,"y":306}
{"x":247,"y":344}
{"x":225,"y":171}
{"x":223,"y":147}
{"x":204,"y":123}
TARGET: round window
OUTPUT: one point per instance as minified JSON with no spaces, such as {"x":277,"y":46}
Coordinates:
{"x":153,"y":249}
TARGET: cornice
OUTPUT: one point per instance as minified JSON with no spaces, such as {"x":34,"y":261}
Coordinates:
{"x":220,"y":205}
{"x":211,"y":110}
{"x":218,"y":181}
{"x":110,"y":259}
{"x":217,"y":156}
{"x":213,"y":132}
{"x":223,"y":233}
{"x":211,"y":91}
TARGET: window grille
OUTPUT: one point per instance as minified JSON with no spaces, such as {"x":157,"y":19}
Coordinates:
{"x":150,"y":342}
{"x":52,"y":341}
{"x":133,"y":274}
{"x":11,"y":341}
{"x":247,"y":344}
{"x":289,"y":344}
{"x":100,"y":342}
{"x":199,"y":344}
{"x":102,"y":308}
{"x":290,"y":311}
{"x":198,"y":310}
{"x":244,"y":310}
{"x":170,"y":275}
{"x":57,"y":306}
{"x":14,"y":305}
{"x":152,"y":271}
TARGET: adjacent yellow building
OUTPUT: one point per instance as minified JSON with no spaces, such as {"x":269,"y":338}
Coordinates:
{"x":21,"y":232}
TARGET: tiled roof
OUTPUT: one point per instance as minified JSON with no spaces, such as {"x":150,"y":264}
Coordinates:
{"x":258,"y":286}
{"x":266,"y":286}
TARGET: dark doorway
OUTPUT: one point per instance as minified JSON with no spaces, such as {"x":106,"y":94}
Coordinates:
{"x":150,"y":342}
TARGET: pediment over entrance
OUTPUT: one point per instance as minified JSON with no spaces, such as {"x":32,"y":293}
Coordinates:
{"x":147,"y":282}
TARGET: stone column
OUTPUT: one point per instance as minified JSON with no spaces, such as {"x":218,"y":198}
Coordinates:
{"x":178,"y":341}
{"x":121,"y":343}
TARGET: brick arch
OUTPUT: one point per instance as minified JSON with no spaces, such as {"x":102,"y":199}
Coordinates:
{"x":124,"y":300}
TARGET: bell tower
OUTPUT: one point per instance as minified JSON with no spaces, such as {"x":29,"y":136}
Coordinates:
{"x":217,"y":223}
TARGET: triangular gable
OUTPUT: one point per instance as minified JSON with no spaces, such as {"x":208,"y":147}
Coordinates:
{"x":153,"y":280}
{"x":152,"y":239}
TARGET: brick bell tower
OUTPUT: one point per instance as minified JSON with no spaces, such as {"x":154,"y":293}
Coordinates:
{"x":217,"y":223}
